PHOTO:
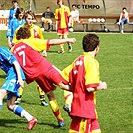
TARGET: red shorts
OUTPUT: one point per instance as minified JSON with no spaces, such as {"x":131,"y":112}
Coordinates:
{"x":82,"y":125}
{"x":48,"y":81}
{"x":62,"y":31}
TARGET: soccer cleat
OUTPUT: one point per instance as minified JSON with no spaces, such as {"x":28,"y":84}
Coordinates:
{"x":18,"y":101}
{"x":32,"y":123}
{"x":67,"y":108}
{"x":61,"y":123}
{"x":44,"y":103}
{"x":70,"y":48}
{"x":61,"y":52}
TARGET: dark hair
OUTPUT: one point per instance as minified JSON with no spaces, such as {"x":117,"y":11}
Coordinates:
{"x":23,"y":33}
{"x":48,"y":7}
{"x":19,"y":11}
{"x":59,"y":1}
{"x":124,"y":8}
{"x":14,"y":1}
{"x":90,"y":42}
{"x":29,"y":12}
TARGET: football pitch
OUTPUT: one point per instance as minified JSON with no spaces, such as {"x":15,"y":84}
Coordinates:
{"x":114,"y":105}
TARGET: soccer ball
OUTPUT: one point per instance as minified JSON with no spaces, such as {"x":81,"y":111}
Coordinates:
{"x":70,"y":29}
{"x":102,"y":20}
{"x":98,"y":20}
{"x":94,"y":20}
{"x":90,"y":20}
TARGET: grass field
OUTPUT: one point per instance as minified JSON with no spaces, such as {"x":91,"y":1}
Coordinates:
{"x":114,"y":106}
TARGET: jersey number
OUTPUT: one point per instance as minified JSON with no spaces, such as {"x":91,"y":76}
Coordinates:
{"x":22,"y":53}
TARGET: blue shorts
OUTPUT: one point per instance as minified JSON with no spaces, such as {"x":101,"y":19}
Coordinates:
{"x":13,"y":87}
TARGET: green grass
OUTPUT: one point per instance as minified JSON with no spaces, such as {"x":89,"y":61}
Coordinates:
{"x":114,"y":106}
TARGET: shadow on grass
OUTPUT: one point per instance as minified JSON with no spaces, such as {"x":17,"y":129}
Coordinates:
{"x":14,"y":122}
{"x":51,"y":125}
{"x":52,"y":51}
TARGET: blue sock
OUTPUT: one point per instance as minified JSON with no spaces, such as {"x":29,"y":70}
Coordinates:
{"x":17,"y":110}
{"x":0,"y":107}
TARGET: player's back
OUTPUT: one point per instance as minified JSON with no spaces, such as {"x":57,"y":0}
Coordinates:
{"x":30,"y":60}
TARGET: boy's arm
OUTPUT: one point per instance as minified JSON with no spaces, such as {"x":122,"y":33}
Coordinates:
{"x":102,"y":86}
{"x":60,"y":41}
{"x":17,"y":68}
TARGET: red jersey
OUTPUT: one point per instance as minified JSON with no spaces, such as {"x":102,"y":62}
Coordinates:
{"x":30,"y":60}
{"x":83,"y":73}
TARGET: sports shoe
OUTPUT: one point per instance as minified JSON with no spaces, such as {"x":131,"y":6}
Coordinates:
{"x":70,"y":48}
{"x":44,"y":103}
{"x":32,"y":123}
{"x":61,"y":123}
{"x":18,"y":101}
{"x":122,"y":31}
{"x":61,"y":52}
{"x":67,"y":108}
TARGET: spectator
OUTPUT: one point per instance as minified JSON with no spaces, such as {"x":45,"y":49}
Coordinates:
{"x":124,"y":19}
{"x":74,"y":16}
{"x":46,"y":18}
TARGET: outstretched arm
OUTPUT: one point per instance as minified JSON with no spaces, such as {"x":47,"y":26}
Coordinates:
{"x":60,"y":41}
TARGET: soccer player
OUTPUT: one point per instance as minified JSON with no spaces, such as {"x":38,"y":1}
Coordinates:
{"x":14,"y":79}
{"x":37,"y":68}
{"x":36,"y":32}
{"x":46,"y":18}
{"x":84,"y":80}
{"x":12,"y":11}
{"x":14,"y":24}
{"x":62,"y":15}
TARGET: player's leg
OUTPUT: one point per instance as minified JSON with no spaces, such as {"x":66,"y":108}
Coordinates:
{"x":95,"y":128}
{"x":3,"y":93}
{"x":69,"y":44}
{"x":42,"y":20}
{"x":47,"y":85}
{"x":80,"y":125}
{"x":61,"y":45}
{"x":68,"y":96}
{"x":18,"y":100}
{"x":18,"y":110}
{"x":55,"y":108}
{"x":42,"y":97}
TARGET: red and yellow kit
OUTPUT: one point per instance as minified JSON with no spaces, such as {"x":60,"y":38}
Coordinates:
{"x":34,"y":30}
{"x":62,"y":15}
{"x":82,"y":74}
{"x":36,"y":67}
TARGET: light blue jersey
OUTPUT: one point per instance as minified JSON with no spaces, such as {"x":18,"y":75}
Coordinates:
{"x":6,"y":64}
{"x":11,"y":14}
{"x":14,"y":24}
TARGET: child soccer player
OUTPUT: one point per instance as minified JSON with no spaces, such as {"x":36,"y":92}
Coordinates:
{"x":37,"y":68}
{"x":35,"y":33}
{"x":14,"y":24}
{"x":62,"y":15}
{"x":14,"y":79}
{"x":84,"y":80}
